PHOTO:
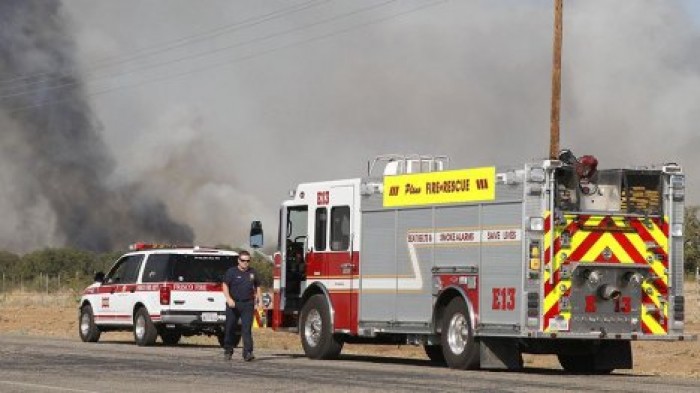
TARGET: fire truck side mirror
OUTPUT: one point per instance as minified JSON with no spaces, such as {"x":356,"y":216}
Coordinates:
{"x":266,"y":300}
{"x":256,"y":234}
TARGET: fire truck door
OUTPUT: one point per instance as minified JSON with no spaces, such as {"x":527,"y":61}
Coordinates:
{"x":293,"y":248}
{"x":331,"y":257}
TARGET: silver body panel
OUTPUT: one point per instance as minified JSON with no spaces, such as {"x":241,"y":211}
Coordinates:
{"x":406,"y":304}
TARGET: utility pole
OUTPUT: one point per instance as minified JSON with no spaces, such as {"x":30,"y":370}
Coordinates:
{"x":556,"y":80}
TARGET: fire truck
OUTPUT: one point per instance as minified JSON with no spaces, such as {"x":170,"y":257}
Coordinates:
{"x":484,"y":264}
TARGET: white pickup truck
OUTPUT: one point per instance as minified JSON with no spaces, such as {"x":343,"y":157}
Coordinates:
{"x":165,"y":291}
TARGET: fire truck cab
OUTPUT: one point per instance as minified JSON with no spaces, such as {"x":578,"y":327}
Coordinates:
{"x":481,"y":265}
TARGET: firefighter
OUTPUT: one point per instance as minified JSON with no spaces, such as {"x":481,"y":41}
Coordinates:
{"x":243,"y":294}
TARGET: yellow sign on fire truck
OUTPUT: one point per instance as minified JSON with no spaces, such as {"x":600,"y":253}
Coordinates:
{"x":464,"y":185}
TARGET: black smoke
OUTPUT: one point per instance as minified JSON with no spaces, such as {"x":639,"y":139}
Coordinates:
{"x":52,"y":149}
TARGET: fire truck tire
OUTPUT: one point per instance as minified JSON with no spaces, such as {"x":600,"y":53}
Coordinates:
{"x":584,"y":364}
{"x":317,"y":339}
{"x":89,"y":332}
{"x":236,"y":339}
{"x":435,"y":354}
{"x":459,"y":347}
{"x":170,"y":337}
{"x":145,"y":333}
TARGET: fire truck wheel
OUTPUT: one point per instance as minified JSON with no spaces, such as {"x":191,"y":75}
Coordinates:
{"x":236,"y":339}
{"x":435,"y":354}
{"x":89,"y":332}
{"x":145,"y":332}
{"x":459,"y":347}
{"x":584,"y":364}
{"x":170,"y":337}
{"x":318,"y":340}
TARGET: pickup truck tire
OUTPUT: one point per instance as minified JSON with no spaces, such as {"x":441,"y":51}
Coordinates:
{"x":145,"y":333}
{"x":89,"y":332}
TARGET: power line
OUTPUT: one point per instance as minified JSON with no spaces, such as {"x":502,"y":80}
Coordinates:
{"x":178,"y":43}
{"x":208,"y":52}
{"x":244,"y":58}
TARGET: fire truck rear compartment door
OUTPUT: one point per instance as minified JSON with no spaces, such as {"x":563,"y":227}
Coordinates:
{"x":414,"y":260}
{"x":378,"y":271}
{"x":501,"y":267}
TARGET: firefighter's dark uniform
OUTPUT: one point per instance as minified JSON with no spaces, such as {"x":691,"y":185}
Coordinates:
{"x":242,"y":287}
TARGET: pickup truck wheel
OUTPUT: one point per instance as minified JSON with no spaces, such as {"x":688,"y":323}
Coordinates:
{"x":318,"y":340}
{"x":460,"y":348}
{"x":89,"y":332}
{"x":145,"y":332}
{"x":170,"y":337}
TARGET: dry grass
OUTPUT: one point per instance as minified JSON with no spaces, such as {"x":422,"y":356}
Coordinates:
{"x":34,"y":299}
{"x":56,"y":315}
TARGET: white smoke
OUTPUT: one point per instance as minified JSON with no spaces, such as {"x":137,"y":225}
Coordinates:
{"x":56,"y":163}
{"x":471,"y":79}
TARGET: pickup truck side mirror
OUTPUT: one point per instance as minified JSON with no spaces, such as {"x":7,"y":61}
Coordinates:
{"x":256,"y":234}
{"x":99,"y":277}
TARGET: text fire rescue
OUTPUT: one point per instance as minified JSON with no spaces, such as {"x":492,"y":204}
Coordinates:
{"x":440,"y":187}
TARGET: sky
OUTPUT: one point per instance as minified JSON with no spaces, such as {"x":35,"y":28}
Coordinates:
{"x":213,"y":109}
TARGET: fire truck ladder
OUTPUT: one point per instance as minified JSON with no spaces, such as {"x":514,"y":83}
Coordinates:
{"x":397,"y":164}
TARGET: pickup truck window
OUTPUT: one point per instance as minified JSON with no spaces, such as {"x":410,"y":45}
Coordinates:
{"x":187,"y":268}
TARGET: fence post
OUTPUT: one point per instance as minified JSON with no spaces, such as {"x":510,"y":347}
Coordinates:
{"x":37,"y":288}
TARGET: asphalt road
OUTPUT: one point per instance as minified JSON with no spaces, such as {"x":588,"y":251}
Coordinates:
{"x":32,"y":364}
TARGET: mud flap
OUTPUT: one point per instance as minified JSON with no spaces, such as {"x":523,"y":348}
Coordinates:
{"x":614,"y":355}
{"x":500,"y":354}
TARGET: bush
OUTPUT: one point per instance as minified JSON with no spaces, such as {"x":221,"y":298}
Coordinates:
{"x":263,"y":266}
{"x":9,"y":263}
{"x":692,"y":239}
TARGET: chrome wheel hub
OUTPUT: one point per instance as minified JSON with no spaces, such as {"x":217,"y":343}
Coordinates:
{"x":458,"y":334}
{"x":84,"y":324}
{"x":312,"y":328}
{"x":140,"y":327}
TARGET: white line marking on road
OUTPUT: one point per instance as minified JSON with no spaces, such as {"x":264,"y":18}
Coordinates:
{"x":34,"y":385}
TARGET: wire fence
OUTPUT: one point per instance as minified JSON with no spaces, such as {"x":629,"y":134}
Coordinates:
{"x":44,"y":285}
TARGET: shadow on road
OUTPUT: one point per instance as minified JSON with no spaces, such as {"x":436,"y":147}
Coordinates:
{"x":384,"y":360}
{"x":369,"y":359}
{"x":157,"y":344}
{"x":550,"y":371}
{"x":428,"y":363}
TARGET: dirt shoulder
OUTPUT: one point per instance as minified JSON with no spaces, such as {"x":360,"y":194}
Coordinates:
{"x":36,"y":315}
